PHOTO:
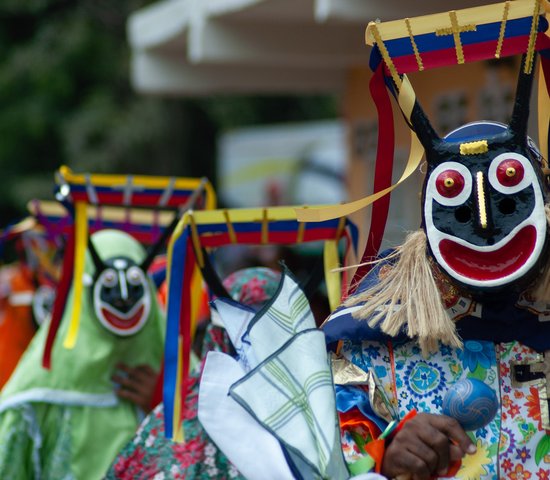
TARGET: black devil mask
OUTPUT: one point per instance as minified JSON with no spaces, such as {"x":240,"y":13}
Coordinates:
{"x":483,"y":200}
{"x":121,"y":290}
{"x":121,"y":293}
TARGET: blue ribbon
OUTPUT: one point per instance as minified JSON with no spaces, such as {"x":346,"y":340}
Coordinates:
{"x":430,"y":42}
{"x":171,"y":345}
{"x":349,"y":397}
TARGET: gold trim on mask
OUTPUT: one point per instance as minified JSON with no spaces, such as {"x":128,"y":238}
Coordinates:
{"x":481,"y":200}
{"x":474,"y":148}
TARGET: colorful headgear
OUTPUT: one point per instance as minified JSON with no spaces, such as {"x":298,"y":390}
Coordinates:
{"x":485,"y":191}
{"x":41,"y":251}
{"x":119,"y":296}
{"x":188,"y":262}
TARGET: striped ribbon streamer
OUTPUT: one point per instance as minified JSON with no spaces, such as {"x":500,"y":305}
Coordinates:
{"x":406,"y":100}
{"x":544,"y":103}
{"x":62,"y":292}
{"x":172,"y":341}
{"x":210,"y":228}
{"x":81,"y":242}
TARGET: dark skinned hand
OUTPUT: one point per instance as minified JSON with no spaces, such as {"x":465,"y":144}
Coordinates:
{"x":425,"y":447}
{"x":137,"y":385}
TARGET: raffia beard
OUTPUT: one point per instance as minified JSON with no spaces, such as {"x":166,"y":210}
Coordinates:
{"x":408,"y":299}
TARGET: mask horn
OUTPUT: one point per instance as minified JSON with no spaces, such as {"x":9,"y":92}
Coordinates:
{"x":154,"y":249}
{"x":423,"y":128}
{"x":98,"y":263}
{"x":520,"y":114}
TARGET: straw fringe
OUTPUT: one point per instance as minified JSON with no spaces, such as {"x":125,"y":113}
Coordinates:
{"x":408,"y":297}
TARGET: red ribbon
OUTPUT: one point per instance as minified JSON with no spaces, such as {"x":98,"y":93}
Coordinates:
{"x":185,"y":323}
{"x":60,"y":299}
{"x":157,"y":393}
{"x":382,"y":172}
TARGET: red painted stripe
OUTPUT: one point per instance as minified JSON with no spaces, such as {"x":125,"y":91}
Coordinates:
{"x":472,"y":53}
{"x":137,"y":199}
{"x":274,"y":238}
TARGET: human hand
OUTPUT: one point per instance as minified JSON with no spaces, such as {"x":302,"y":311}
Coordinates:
{"x":136,"y":384}
{"x":425,"y":446}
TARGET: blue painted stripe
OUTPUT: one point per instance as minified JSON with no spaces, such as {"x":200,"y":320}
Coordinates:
{"x":430,"y":42}
{"x":177,"y":268}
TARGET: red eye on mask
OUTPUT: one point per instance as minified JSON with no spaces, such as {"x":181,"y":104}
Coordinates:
{"x":510,"y":172}
{"x":449,"y":183}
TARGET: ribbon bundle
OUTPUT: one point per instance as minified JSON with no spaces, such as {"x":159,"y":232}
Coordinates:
{"x":421,"y":43}
{"x":215,"y":228}
{"x":77,"y":192}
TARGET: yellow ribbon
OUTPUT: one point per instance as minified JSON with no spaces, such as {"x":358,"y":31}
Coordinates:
{"x":406,"y":101}
{"x":177,"y":427}
{"x":332,"y":279}
{"x":196,"y":299}
{"x":543,"y":114}
{"x":81,"y":240}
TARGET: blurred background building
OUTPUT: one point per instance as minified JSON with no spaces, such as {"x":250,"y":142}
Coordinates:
{"x":186,"y":87}
{"x":183,"y":48}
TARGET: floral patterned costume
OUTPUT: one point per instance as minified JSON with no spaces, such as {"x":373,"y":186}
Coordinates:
{"x":515,"y":444}
{"x":150,"y":455}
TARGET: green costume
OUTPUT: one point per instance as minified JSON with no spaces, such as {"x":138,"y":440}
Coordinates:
{"x":67,"y":423}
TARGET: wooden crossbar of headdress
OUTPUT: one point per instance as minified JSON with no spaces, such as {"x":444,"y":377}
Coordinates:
{"x":426,"y":42}
{"x":77,"y":192}
{"x":205,"y":230}
{"x":145,"y":225}
{"x":55,"y":223}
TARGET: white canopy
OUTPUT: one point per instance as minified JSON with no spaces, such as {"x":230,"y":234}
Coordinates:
{"x":194,"y":47}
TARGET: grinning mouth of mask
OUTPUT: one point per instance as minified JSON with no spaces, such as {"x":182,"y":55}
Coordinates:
{"x":123,"y":322}
{"x":490,"y":266}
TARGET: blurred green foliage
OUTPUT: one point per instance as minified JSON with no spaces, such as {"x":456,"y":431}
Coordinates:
{"x":65,"y":98}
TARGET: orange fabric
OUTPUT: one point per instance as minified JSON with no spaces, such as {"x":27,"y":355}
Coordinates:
{"x":354,"y":418}
{"x":376,"y":450}
{"x":404,"y":420}
{"x":16,"y":323}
